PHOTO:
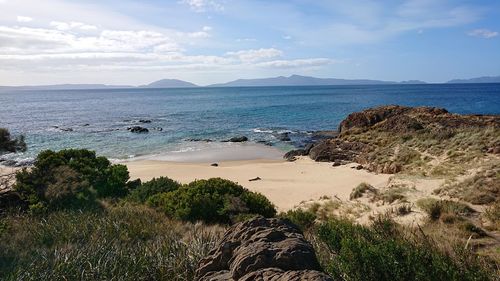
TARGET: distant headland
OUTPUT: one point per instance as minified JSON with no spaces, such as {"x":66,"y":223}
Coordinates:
{"x":293,"y":80}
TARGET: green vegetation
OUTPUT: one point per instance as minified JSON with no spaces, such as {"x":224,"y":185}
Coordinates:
{"x":70,"y":178}
{"x":153,"y":187}
{"x":302,"y":218}
{"x":361,"y":189}
{"x":436,"y":208}
{"x":482,"y":188}
{"x":8,"y":144}
{"x":383,"y":251}
{"x":128,"y":242}
{"x":97,"y":225}
{"x":214,"y":201}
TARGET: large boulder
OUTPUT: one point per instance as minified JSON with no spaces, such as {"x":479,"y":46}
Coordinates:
{"x":336,"y":150}
{"x":261,"y":249}
{"x":237,"y":139}
{"x":138,"y":129}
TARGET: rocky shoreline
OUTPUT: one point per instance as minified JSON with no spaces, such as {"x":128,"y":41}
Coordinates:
{"x":362,"y":135}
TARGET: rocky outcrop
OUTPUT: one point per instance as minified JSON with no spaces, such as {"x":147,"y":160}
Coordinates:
{"x":283,"y":136}
{"x":138,"y":129}
{"x":237,"y":139}
{"x":261,"y":249}
{"x":375,"y":137}
{"x":337,"y":150}
{"x":370,"y":117}
{"x":293,"y":154}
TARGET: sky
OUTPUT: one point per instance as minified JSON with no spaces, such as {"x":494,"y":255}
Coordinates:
{"x":129,"y":42}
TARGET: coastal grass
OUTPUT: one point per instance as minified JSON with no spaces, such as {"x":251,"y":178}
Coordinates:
{"x":386,"y":251}
{"x":128,"y":242}
{"x":361,"y":189}
{"x":437,"y":152}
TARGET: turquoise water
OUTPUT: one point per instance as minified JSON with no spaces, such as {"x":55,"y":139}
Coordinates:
{"x":210,"y":113}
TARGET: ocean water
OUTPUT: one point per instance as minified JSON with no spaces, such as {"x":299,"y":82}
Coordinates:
{"x":98,"y":119}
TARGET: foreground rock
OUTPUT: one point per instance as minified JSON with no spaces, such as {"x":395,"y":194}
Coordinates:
{"x":261,"y":249}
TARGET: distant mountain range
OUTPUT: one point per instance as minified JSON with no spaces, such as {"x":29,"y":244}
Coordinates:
{"x":484,"y":79}
{"x":293,"y":80}
{"x":297,"y":80}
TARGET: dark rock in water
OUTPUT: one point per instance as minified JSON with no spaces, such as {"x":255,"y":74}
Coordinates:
{"x":159,"y":129}
{"x":204,"y":140}
{"x":283,"y":136}
{"x":144,"y":121}
{"x":261,"y":249}
{"x":20,"y":163}
{"x":138,"y":129}
{"x":9,"y":163}
{"x":85,"y":125}
{"x":321,"y":135}
{"x":255,"y":179}
{"x":67,"y":129}
{"x":237,"y":139}
{"x":268,"y":143}
{"x":214,"y":165}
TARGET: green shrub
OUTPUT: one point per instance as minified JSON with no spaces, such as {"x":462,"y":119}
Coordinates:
{"x":68,"y":176}
{"x":436,"y":208}
{"x":361,"y":189}
{"x":384,"y":252}
{"x":152,"y":187}
{"x":213,"y":200}
{"x":8,"y":144}
{"x":302,"y":218}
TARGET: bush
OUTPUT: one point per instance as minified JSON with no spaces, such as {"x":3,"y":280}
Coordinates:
{"x":302,"y":218}
{"x":384,"y":252}
{"x":214,"y":200}
{"x":8,"y":144}
{"x":436,"y":208}
{"x":60,"y":178}
{"x":152,"y":187}
{"x":361,"y":189}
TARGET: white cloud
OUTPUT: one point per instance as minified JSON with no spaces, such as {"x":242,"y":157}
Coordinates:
{"x":204,"y":5}
{"x":24,"y":19}
{"x":248,"y":56}
{"x":72,"y":25}
{"x":298,"y":63}
{"x":483,"y":33}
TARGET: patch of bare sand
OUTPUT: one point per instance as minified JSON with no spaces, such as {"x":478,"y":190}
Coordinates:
{"x":286,"y":184}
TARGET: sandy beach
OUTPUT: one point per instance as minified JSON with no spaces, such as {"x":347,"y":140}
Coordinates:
{"x":286,"y":184}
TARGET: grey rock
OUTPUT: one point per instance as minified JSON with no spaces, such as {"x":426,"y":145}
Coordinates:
{"x":261,"y":249}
